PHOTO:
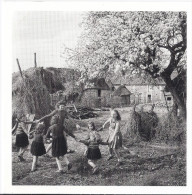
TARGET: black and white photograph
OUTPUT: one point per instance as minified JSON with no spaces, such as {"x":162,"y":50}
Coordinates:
{"x":99,"y":98}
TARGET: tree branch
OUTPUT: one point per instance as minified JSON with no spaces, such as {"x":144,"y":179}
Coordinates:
{"x":166,"y":47}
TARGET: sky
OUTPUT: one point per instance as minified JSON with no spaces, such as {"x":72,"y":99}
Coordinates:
{"x":44,"y":33}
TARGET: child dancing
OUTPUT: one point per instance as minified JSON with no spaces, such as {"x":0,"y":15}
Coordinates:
{"x":92,"y":141}
{"x":115,"y":136}
{"x":22,"y":141}
{"x":37,"y":146}
{"x":59,"y":143}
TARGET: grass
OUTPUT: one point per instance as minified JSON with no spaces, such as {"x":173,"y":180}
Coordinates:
{"x":151,"y":164}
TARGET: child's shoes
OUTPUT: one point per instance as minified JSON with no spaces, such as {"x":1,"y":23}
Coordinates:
{"x":119,"y":163}
{"x":60,"y":171}
{"x":33,"y":170}
{"x":110,"y":157}
{"x":21,"y":159}
{"x":69,"y":166}
{"x":95,"y":170}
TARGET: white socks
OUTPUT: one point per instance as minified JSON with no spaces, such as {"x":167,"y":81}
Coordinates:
{"x":66,"y":160}
{"x":58,"y":164}
{"x":91,"y":163}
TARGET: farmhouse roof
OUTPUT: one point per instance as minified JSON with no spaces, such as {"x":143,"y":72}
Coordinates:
{"x":136,"y":80}
{"x":98,"y":83}
{"x":121,"y":91}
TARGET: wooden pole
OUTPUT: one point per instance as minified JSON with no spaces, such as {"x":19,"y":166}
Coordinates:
{"x":35,"y":61}
{"x":19,"y":67}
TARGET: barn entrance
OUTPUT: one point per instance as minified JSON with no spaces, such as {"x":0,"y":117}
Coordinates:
{"x":125,"y":100}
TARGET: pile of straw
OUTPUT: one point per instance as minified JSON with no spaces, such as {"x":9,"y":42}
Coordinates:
{"x":149,"y":122}
{"x":30,"y":93}
{"x":133,"y":126}
{"x":171,"y":128}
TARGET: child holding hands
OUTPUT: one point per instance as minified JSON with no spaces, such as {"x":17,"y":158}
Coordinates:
{"x":92,"y":141}
{"x":115,"y":136}
{"x":37,"y":146}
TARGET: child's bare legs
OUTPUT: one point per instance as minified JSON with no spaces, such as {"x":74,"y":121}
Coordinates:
{"x":34,"y":163}
{"x":69,"y":165}
{"x":21,"y":152}
{"x":49,"y":147}
{"x":110,"y":153}
{"x":47,"y":150}
{"x":93,"y":165}
{"x":116,"y":151}
{"x":59,"y":164}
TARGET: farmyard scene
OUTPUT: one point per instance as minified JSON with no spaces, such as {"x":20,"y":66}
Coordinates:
{"x":99,"y":98}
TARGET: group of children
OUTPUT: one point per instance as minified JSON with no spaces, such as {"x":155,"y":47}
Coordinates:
{"x":59,"y":140}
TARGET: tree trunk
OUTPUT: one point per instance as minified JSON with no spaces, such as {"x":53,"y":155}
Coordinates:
{"x":179,"y":101}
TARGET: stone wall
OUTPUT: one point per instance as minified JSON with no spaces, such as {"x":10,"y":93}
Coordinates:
{"x":90,"y":98}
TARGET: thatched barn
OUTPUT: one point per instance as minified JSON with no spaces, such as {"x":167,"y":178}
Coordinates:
{"x":96,"y":94}
{"x":121,"y":96}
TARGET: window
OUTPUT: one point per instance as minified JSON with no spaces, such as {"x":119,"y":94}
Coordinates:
{"x":149,"y":98}
{"x":99,"y":92}
{"x":169,"y":98}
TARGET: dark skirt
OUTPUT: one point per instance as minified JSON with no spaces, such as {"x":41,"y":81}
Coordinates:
{"x":93,"y":153}
{"x":22,"y":140}
{"x":37,"y":148}
{"x":59,"y":146}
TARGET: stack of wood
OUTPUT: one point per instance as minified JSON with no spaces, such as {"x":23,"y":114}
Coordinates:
{"x":81,"y":112}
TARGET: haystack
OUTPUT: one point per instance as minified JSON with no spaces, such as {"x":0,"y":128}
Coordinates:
{"x":141,"y":125}
{"x":133,"y":126}
{"x":30,"y":93}
{"x":149,"y":121}
{"x":171,"y":128}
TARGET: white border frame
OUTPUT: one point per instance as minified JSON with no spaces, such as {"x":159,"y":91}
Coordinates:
{"x":9,"y":8}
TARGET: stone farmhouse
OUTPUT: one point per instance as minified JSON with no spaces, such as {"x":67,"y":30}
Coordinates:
{"x":119,"y":92}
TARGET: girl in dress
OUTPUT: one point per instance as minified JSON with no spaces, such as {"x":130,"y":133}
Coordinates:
{"x":22,"y":141}
{"x":37,"y":146}
{"x":92,"y":141}
{"x":59,"y":143}
{"x":115,"y":136}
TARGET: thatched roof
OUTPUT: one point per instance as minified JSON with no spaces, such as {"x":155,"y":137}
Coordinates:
{"x":121,"y":91}
{"x":98,"y":83}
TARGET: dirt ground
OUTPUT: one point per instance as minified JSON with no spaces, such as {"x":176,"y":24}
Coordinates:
{"x":144,"y":164}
